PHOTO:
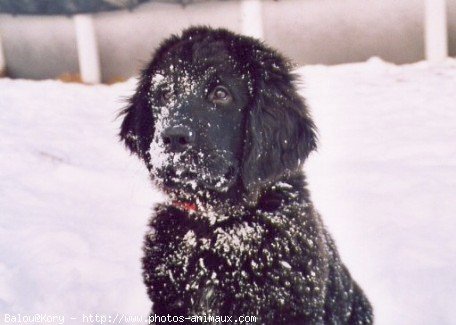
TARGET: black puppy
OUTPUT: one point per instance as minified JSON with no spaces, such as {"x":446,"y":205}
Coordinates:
{"x":219,"y":124}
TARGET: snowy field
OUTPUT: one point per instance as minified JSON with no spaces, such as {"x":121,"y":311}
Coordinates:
{"x":74,"y":204}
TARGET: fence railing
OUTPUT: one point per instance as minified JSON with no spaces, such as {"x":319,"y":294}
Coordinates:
{"x":436,"y":30}
{"x":435,"y":35}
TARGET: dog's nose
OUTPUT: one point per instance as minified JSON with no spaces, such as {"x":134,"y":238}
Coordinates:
{"x":178,"y":138}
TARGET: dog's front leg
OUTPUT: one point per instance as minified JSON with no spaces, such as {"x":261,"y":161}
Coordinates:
{"x":207,"y":301}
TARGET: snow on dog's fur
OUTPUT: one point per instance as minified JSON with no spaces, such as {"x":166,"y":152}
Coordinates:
{"x":219,"y":124}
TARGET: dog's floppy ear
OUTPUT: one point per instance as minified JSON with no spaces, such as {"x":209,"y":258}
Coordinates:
{"x":137,"y":127}
{"x":279,"y":131}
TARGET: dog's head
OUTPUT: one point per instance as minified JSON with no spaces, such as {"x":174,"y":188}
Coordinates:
{"x":217,"y":111}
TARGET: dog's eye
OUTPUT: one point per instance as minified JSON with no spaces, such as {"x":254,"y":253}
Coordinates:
{"x":220,"y":95}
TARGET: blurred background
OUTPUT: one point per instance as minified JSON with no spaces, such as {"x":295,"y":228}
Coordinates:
{"x":39,"y":37}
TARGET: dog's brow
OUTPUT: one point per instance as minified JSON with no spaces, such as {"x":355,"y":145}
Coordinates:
{"x":211,"y":78}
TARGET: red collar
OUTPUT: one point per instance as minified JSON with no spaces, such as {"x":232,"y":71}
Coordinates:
{"x":186,"y":206}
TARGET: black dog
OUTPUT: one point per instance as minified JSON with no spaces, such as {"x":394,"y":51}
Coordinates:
{"x":219,"y":124}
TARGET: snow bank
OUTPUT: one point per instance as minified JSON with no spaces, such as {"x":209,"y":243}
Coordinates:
{"x":384,"y":179}
{"x":74,"y":204}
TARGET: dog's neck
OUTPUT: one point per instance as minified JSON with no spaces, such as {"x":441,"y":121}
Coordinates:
{"x":285,"y":191}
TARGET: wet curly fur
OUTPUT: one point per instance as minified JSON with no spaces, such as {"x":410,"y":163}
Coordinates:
{"x":258,"y":247}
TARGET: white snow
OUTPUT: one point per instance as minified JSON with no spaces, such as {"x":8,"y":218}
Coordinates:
{"x":74,"y":204}
{"x":384,"y":180}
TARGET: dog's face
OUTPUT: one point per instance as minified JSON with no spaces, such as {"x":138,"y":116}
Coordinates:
{"x":215,"y":111}
{"x":198,"y":103}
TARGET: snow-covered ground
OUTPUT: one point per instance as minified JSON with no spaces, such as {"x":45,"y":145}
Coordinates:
{"x":74,"y":204}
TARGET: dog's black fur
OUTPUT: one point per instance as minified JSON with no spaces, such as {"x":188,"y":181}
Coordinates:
{"x":239,"y":235}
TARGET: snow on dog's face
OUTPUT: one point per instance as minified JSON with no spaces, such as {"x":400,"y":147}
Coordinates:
{"x":198,"y":104}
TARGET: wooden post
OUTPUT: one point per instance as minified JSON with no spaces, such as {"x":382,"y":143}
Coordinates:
{"x":2,"y":59}
{"x":252,"y":18}
{"x":436,"y":30}
{"x":89,"y":60}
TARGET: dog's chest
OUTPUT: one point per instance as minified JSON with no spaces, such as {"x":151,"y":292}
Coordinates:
{"x":218,"y":255}
{"x":246,"y":261}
